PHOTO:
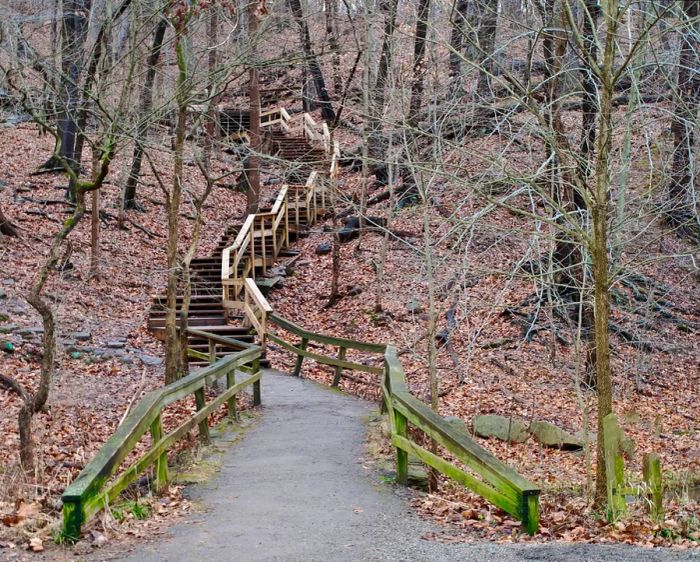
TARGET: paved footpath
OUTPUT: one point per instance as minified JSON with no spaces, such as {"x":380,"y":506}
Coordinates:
{"x":295,"y":490}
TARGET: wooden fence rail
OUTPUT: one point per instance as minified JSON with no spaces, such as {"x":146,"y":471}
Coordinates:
{"x":92,"y":490}
{"x":486,"y":475}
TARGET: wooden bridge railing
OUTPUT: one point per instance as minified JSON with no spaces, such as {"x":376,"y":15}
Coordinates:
{"x":95,"y":488}
{"x":485,"y":474}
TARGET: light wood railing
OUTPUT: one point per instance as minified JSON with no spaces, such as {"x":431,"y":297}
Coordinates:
{"x":277,"y":115}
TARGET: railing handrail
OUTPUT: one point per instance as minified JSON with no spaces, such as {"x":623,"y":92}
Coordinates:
{"x":87,"y":494}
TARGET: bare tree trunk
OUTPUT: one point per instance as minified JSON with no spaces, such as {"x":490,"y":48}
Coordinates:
{"x":75,"y":24}
{"x":487,"y":45}
{"x":312,"y":62}
{"x":95,"y":221}
{"x":589,"y":109}
{"x":599,"y":252}
{"x":252,"y":164}
{"x":687,"y":100}
{"x":173,"y":364}
{"x":331,"y":8}
{"x":146,"y":102}
{"x":459,"y":18}
{"x":418,"y":56}
{"x":376,"y":147}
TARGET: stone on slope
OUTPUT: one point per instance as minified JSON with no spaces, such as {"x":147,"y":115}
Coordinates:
{"x":500,"y":427}
{"x":550,"y":435}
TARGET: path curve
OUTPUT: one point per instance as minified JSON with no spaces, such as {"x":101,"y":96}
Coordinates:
{"x":295,"y":490}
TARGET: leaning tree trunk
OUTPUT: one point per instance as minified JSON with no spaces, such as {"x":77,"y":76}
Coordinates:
{"x":687,"y":99}
{"x":146,"y":102}
{"x":418,"y":67}
{"x":312,"y":61}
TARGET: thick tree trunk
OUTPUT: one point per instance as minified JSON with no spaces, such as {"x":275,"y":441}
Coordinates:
{"x":377,"y":148}
{"x":687,"y":100}
{"x":324,"y":99}
{"x":487,"y":45}
{"x":418,"y":66}
{"x":74,"y":34}
{"x":459,"y":19}
{"x":146,"y":102}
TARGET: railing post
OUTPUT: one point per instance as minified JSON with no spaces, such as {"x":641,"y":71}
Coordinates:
{"x":401,"y":425}
{"x":614,"y":467}
{"x":257,"y":400}
{"x":231,"y":402}
{"x":531,"y":517}
{"x":203,"y":425}
{"x":339,"y":369}
{"x":73,"y":519}
{"x":161,"y":467}
{"x":651,"y":469}
{"x":300,"y":358}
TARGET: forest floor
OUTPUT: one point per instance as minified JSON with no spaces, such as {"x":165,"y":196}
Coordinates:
{"x":107,"y":358}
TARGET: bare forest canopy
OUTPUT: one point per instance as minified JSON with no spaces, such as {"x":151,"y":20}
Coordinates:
{"x":514,"y":206}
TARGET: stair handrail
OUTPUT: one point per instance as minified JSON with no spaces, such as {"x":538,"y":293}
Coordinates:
{"x":231,"y":258}
{"x":309,"y":126}
{"x":257,"y":309}
{"x":244,"y":246}
{"x":326,"y":137}
{"x":275,"y":115}
{"x":311,"y":188}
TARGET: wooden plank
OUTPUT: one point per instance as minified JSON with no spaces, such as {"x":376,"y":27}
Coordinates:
{"x":325,"y":360}
{"x":257,"y":296}
{"x":222,"y":340}
{"x":513,"y":507}
{"x":197,"y":354}
{"x":321,"y":338}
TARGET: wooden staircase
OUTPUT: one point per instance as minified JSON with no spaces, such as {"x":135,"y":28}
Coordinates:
{"x":249,"y":248}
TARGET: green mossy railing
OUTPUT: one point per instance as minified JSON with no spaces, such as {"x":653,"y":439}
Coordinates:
{"x":485,"y":475}
{"x":95,"y":488}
